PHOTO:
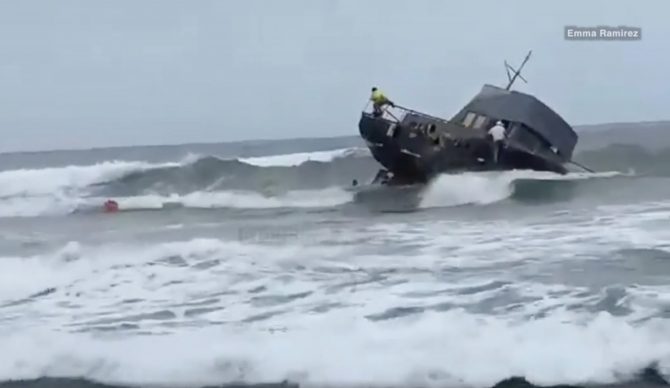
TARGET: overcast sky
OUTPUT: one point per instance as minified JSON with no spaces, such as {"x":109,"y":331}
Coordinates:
{"x":89,"y":73}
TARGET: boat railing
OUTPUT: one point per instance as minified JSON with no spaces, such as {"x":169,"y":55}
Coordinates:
{"x":422,"y":114}
{"x":397,"y":113}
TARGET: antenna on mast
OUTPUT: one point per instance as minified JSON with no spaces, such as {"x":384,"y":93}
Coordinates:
{"x":517,"y":73}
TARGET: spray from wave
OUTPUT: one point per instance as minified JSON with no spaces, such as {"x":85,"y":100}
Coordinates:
{"x":482,"y":188}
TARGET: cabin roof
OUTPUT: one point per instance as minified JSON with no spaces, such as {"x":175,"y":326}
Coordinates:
{"x":501,"y":104}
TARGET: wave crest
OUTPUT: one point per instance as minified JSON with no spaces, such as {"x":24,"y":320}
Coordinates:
{"x":293,"y":180}
{"x":489,"y":187}
{"x":452,"y":349}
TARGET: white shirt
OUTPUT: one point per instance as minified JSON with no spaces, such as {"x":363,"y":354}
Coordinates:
{"x":498,"y":132}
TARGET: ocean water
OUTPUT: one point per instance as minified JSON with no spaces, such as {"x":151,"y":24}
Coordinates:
{"x":261,"y":264}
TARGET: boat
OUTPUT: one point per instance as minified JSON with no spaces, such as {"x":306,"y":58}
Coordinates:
{"x":414,"y":147}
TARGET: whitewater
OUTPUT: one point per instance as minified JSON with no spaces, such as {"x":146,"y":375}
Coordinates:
{"x":224,"y":269}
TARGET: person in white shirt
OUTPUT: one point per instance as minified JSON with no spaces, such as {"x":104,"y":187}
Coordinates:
{"x":497,"y":132}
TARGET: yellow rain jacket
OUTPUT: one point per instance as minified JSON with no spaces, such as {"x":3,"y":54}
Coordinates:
{"x":378,"y":97}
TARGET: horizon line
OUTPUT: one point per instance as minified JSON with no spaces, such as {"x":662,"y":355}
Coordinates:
{"x":302,"y":138}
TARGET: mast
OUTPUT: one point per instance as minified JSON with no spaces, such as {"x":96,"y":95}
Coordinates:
{"x":517,"y":73}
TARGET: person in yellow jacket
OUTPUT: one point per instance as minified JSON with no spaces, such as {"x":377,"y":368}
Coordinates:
{"x":378,"y":101}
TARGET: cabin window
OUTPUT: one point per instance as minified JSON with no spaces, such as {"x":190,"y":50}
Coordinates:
{"x":479,"y":122}
{"x":468,"y":119}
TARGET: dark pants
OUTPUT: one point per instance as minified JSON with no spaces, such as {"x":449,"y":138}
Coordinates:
{"x":497,"y":147}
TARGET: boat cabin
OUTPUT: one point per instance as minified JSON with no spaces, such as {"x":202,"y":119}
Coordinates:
{"x":530,"y":124}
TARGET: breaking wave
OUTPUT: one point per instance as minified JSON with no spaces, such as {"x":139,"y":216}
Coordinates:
{"x":309,"y":179}
{"x":483,"y":188}
{"x":199,"y":341}
{"x":293,"y":180}
{"x":451,"y":349}
{"x":229,"y":199}
{"x":646,"y":378}
{"x":299,"y":158}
